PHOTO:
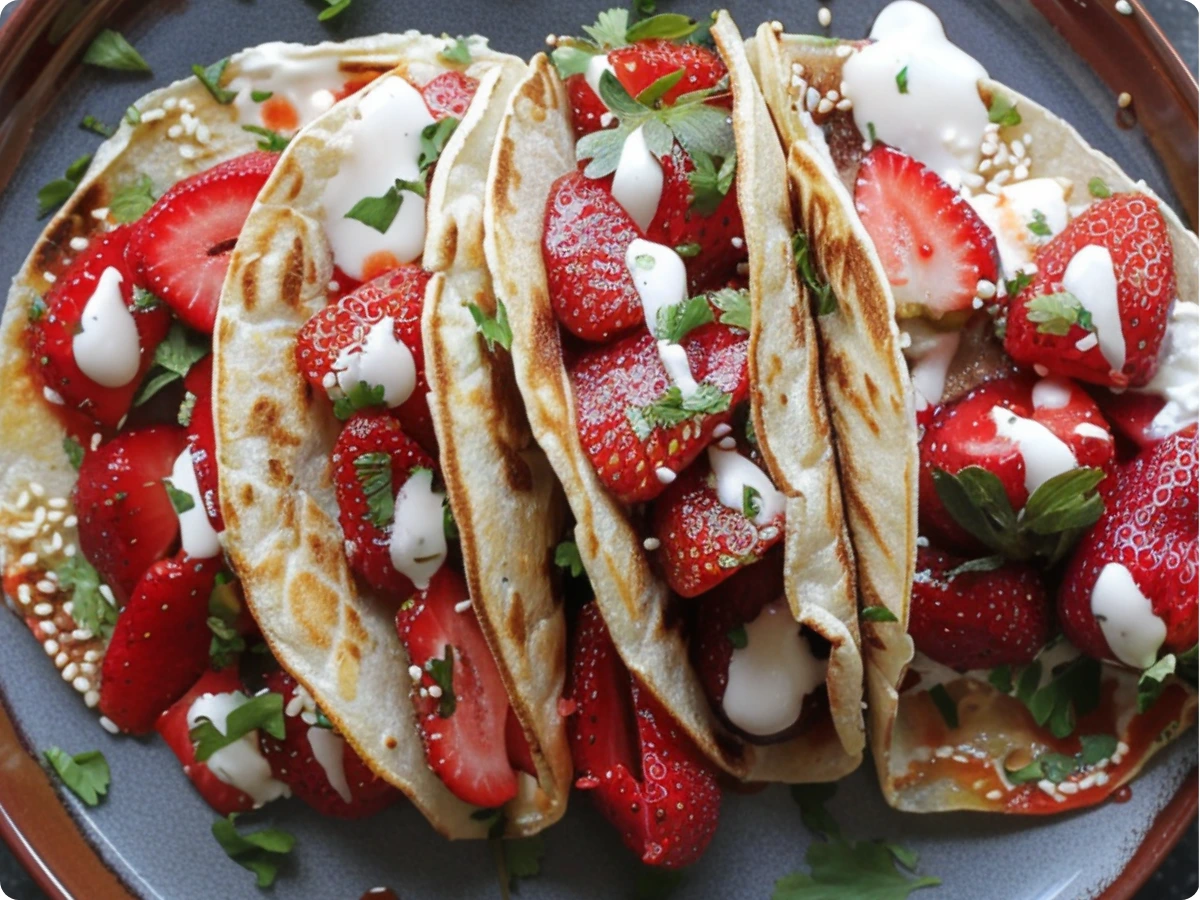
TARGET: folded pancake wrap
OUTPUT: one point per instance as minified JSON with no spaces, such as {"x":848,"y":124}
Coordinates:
{"x":274,"y":441}
{"x":141,"y":148}
{"x":536,"y":146}
{"x":871,"y":405}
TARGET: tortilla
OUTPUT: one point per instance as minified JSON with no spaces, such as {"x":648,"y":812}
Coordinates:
{"x":870,"y":397}
{"x":34,"y":470}
{"x":536,"y":146}
{"x":274,"y":441}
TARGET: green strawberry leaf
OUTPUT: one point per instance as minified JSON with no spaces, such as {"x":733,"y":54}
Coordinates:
{"x":1056,"y":313}
{"x":672,"y":408}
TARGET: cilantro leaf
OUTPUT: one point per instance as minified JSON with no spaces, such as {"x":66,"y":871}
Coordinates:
{"x":811,"y":799}
{"x":335,"y":8}
{"x":570,"y":59}
{"x":610,"y":29}
{"x":1061,"y":508}
{"x":877,"y":614}
{"x":261,"y":96}
{"x":433,"y":141}
{"x":182,"y":501}
{"x":710,"y":184}
{"x":210,"y":77}
{"x":74,"y":451}
{"x":94,"y":125}
{"x":945,"y":705}
{"x":672,"y":408}
{"x":131,"y":202}
{"x":566,"y":556}
{"x":360,"y":396}
{"x":110,"y":50}
{"x":264,"y":711}
{"x":751,"y":501}
{"x":256,"y":851}
{"x":53,"y":195}
{"x":667,"y":26}
{"x":495,"y":329}
{"x":173,"y":359}
{"x":374,"y":472}
{"x":1098,"y":188}
{"x":442,"y":673}
{"x":738,"y":637}
{"x":1015,"y":285}
{"x":224,"y":608}
{"x":1039,"y":226}
{"x":902,"y":80}
{"x":456,"y":50}
{"x":1058,"y":767}
{"x":90,"y":609}
{"x":675,"y":320}
{"x":270,"y":140}
{"x":1056,"y":313}
{"x":822,"y":294}
{"x":734,"y":305}
{"x":865,"y":870}
{"x":1072,"y":691}
{"x":1003,"y":111}
{"x":380,"y":212}
{"x":86,"y":774}
{"x":37,"y":309}
{"x":1154,"y":679}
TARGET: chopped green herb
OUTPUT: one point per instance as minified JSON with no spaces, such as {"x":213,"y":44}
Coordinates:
{"x":374,"y":472}
{"x":261,"y":712}
{"x":270,"y":140}
{"x":1003,"y":111}
{"x":182,"y":501}
{"x":433,"y":141}
{"x":442,"y":673}
{"x":449,"y":526}
{"x":53,"y":195}
{"x":91,"y":123}
{"x":734,"y":305}
{"x":738,"y":638}
{"x":173,"y":359}
{"x":131,"y":202}
{"x":982,"y":564}
{"x":1039,"y":225}
{"x":335,"y":8}
{"x":1056,"y":313}
{"x":494,"y":329}
{"x":878,"y":614}
{"x":224,"y":608}
{"x":822,"y":294}
{"x":945,"y":705}
{"x":37,"y":309}
{"x":751,"y":501}
{"x":110,"y":50}
{"x":522,"y":858}
{"x":74,"y":451}
{"x":258,"y":851}
{"x":1058,"y":767}
{"x":210,"y":77}
{"x":566,"y":556}
{"x":90,"y":609}
{"x":675,"y":320}
{"x":687,"y":251}
{"x":1014,"y":286}
{"x":902,"y":80}
{"x":261,"y":96}
{"x":133,"y":116}
{"x":380,"y":212}
{"x":672,"y":408}
{"x":871,"y":133}
{"x":86,"y":774}
{"x":143,"y":299}
{"x":456,"y":50}
{"x":361,"y":396}
{"x":1098,"y":188}
{"x":1154,"y":678}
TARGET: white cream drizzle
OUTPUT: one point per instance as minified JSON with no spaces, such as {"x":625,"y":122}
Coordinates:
{"x":638,"y":181}
{"x":1176,"y":380}
{"x":308,"y":84}
{"x":106,"y":348}
{"x":734,"y":473}
{"x":418,"y":541}
{"x":380,"y":359}
{"x":1126,"y":616}
{"x":241,"y":764}
{"x":1010,"y":213}
{"x":1090,"y":277}
{"x":329,"y":751}
{"x":196,"y":533}
{"x":1044,"y":454}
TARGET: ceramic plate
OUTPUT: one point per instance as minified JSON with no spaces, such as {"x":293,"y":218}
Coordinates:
{"x":153,"y":830}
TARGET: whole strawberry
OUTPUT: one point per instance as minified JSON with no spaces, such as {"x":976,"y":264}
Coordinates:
{"x":1067,"y":318}
{"x":1129,"y":591}
{"x":636,"y":432}
{"x":977,"y":619}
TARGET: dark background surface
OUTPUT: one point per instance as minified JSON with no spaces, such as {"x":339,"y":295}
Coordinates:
{"x":1178,"y":877}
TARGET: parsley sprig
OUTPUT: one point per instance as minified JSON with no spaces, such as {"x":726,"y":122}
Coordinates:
{"x":89,"y":607}
{"x":173,"y":359}
{"x":611,"y":30}
{"x":374,"y":472}
{"x":86,"y":774}
{"x":1071,"y":690}
{"x":259,"y":851}
{"x":672,"y":408}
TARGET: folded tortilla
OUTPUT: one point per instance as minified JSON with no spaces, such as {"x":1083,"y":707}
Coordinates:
{"x":871,"y":402}
{"x":34,"y":469}
{"x":274,"y":442}
{"x":536,"y":146}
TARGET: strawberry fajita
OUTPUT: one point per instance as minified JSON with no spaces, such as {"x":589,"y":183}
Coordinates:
{"x":1011,"y":351}
{"x":636,"y":230}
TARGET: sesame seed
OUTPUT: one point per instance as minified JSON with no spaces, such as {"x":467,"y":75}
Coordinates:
{"x":985,"y":289}
{"x":1021,"y":172}
{"x":651,"y":543}
{"x":70,"y":521}
{"x":844,"y":104}
{"x":1101,"y":779}
{"x":29,"y":559}
{"x":944,"y":752}
{"x":82,"y":634}
{"x":1124,"y":99}
{"x":203,"y":133}
{"x":53,"y":396}
{"x":91,"y":699}
{"x":1069,"y":787}
{"x":1087,"y":342}
{"x":79,"y":243}
{"x":844,"y":50}
{"x":721,"y":430}
{"x":414,"y":672}
{"x":994,"y":794}
{"x":24,"y":593}
{"x":435,"y":692}
{"x":70,"y":671}
{"x":109,"y":725}
{"x":100,"y":213}
{"x":811,"y":98}
{"x":46,"y":587}
{"x":48,"y":627}
{"x":664,"y":475}
{"x":43,"y":609}
{"x":91,"y":656}
{"x":175,"y":131}
{"x":1124,"y":8}
{"x":462,"y":606}
{"x":187,"y":151}
{"x":81,"y":684}
{"x":1122,"y":748}
{"x":187,"y":105}
{"x":170,"y":103}
{"x":153,"y":115}
{"x":824,"y":16}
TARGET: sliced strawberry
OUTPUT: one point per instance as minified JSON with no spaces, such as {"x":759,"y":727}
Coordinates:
{"x":1133,"y":232}
{"x":584,"y":241}
{"x":368,"y":541}
{"x":180,"y":248}
{"x":1148,"y":529}
{"x":977,"y":620}
{"x":703,"y":541}
{"x":343,"y":327}
{"x":126,"y":520}
{"x":449,"y":94}
{"x":53,"y":333}
{"x":173,"y":726}
{"x":160,"y":644}
{"x":318,"y":765}
{"x":644,"y":774}
{"x":639,"y":65}
{"x":464,"y":725}
{"x":964,"y":433}
{"x":934,"y":247}
{"x":202,"y":439}
{"x":713,"y":237}
{"x":614,"y":381}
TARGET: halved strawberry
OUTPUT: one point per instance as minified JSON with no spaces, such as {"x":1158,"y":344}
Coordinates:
{"x":1149,"y":530}
{"x":55,"y":328}
{"x":614,"y":382}
{"x":160,"y":644}
{"x":462,"y":707}
{"x":981,"y":619}
{"x":644,"y":774}
{"x":126,"y":520}
{"x":587,"y":109}
{"x":713,"y":236}
{"x":173,"y":726}
{"x":180,"y":248}
{"x":449,"y":94}
{"x":584,"y":241}
{"x":367,"y":531}
{"x":934,"y":247}
{"x":343,"y":327}
{"x":1120,"y":346}
{"x":202,"y":440}
{"x":703,"y":541}
{"x":319,"y":766}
